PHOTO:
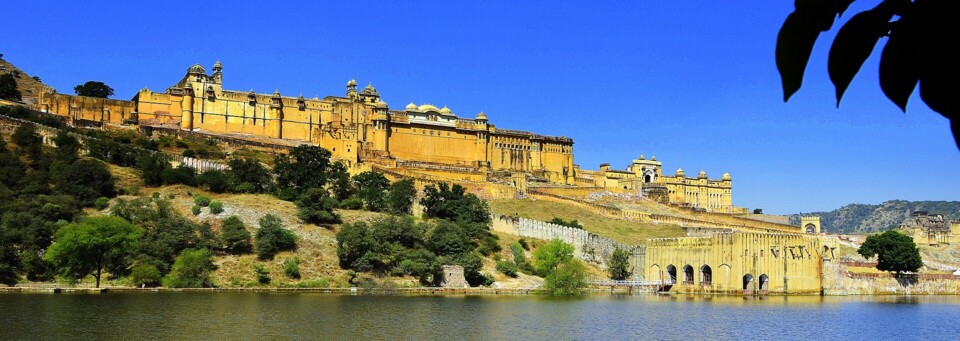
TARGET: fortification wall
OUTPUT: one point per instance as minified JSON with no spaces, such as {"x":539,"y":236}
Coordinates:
{"x":588,"y":247}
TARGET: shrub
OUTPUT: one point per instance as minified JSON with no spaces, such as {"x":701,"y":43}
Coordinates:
{"x":101,"y":203}
{"x":191,"y":270}
{"x":236,"y":238}
{"x":216,"y":207}
{"x":619,"y":265}
{"x":155,"y":195}
{"x":523,"y":243}
{"x":489,"y":245}
{"x":316,"y":206}
{"x":291,"y":267}
{"x":201,"y":200}
{"x":214,"y":180}
{"x":145,"y":275}
{"x":507,"y":268}
{"x":263,"y":275}
{"x":272,"y":237}
{"x":189,"y":153}
{"x":195,"y":209}
{"x":181,"y":175}
{"x":352,"y":203}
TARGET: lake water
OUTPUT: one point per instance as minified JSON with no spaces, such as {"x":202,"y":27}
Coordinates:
{"x":233,"y":316}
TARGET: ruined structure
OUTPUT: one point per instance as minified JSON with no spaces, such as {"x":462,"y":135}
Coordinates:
{"x":932,"y":229}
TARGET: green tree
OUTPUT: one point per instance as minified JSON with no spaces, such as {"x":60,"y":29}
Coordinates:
{"x":372,"y":188}
{"x":303,"y":168}
{"x":918,"y":50}
{"x":316,"y":206}
{"x":166,"y":232}
{"x":236,"y":238}
{"x":183,"y":174}
{"x":353,"y":242}
{"x":895,"y":252}
{"x":291,"y":267}
{"x":26,"y":137}
{"x":191,"y":270}
{"x":145,"y":275}
{"x":94,"y":243}
{"x":68,"y":147}
{"x":619,"y":265}
{"x":401,"y":196}
{"x":272,"y":237}
{"x":249,"y":171}
{"x":573,"y":223}
{"x":8,"y":88}
{"x":93,"y":89}
{"x":86,"y":180}
{"x":567,"y":279}
{"x":453,"y":203}
{"x":214,"y":180}
{"x":151,"y":167}
{"x":548,"y":257}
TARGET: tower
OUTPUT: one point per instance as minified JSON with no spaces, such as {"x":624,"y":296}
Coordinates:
{"x":810,"y":225}
{"x":276,"y":110}
{"x":352,"y":89}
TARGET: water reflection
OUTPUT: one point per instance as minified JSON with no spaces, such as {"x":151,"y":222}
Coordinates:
{"x":166,"y":316}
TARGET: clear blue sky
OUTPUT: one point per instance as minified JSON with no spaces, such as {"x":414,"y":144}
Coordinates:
{"x":694,"y":84}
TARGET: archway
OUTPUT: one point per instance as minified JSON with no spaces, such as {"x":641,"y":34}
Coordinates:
{"x":764,"y":283}
{"x":671,"y":274}
{"x":747,"y":284}
{"x":706,"y":275}
{"x":687,"y":275}
{"x":810,"y":228}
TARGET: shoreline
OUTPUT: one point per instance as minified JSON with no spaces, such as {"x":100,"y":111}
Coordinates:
{"x":426,"y":291}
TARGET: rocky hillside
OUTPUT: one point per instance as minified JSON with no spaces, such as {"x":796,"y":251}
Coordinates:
{"x":29,"y":86}
{"x":862,"y":218}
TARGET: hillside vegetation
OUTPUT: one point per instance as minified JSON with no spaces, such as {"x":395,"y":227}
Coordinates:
{"x":622,"y":231}
{"x":863,"y":218}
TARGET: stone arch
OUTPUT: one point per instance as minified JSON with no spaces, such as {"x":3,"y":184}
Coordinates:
{"x":747,"y":284}
{"x":810,"y":229}
{"x":764,"y":283}
{"x":687,"y":274}
{"x":706,"y":275}
{"x":671,"y":274}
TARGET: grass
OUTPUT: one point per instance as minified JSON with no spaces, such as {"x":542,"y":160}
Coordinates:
{"x":626,"y":232}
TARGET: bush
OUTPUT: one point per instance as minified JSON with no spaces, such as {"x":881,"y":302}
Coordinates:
{"x":189,"y":153}
{"x":195,"y":209}
{"x":214,"y":180}
{"x":191,"y":270}
{"x":352,"y":203}
{"x":181,"y":175}
{"x":216,"y":207}
{"x":619,"y":265}
{"x":316,"y":206}
{"x":291,"y":267}
{"x":263,"y":275}
{"x":101,"y":203}
{"x":489,"y":245}
{"x":236,"y":238}
{"x":272,"y":237}
{"x":507,"y":268}
{"x":145,"y":275}
{"x":201,"y":200}
{"x":523,"y":243}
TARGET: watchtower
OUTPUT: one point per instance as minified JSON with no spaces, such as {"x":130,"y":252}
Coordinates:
{"x":810,"y":225}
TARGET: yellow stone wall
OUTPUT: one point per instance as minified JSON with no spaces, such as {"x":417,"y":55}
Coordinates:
{"x":731,"y":257}
{"x":87,"y":108}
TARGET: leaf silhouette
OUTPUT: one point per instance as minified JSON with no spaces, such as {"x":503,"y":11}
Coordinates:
{"x":854,"y":43}
{"x":898,"y":68}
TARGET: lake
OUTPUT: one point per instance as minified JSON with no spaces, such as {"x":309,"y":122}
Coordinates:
{"x":231,"y":316}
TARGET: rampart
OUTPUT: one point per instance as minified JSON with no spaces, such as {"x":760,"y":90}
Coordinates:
{"x":588,"y":247}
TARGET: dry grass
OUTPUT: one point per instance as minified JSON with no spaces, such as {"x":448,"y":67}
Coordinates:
{"x":626,"y":232}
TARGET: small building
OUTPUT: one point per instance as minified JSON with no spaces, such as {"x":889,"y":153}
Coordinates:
{"x":453,"y":277}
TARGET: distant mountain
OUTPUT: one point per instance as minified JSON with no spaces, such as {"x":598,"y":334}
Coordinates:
{"x":861,"y":218}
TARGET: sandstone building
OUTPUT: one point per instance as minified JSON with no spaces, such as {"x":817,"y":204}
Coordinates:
{"x":361,"y":129}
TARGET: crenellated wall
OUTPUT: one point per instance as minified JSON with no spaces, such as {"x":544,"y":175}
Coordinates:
{"x":588,"y":247}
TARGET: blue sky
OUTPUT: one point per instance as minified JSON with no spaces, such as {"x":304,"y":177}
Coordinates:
{"x":692,"y":83}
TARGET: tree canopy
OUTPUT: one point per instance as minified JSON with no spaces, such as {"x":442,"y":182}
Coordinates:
{"x":619,"y":265}
{"x":93,"y":89}
{"x":455,"y":204}
{"x":94,"y":243}
{"x":8,"y":88}
{"x":921,"y":35}
{"x":895,"y":252}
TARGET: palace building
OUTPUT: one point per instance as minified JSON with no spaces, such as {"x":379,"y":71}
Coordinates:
{"x":360,"y":128}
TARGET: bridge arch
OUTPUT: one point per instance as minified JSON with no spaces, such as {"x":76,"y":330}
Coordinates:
{"x":706,"y":275}
{"x":687,"y":274}
{"x":747,"y":284}
{"x":764,"y":283}
{"x":671,"y":274}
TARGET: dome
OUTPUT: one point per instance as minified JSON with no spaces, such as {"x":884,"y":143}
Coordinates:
{"x":428,"y":107}
{"x":481,"y":116}
{"x":702,"y":175}
{"x":411,"y":106}
{"x":276,"y":93}
{"x":217,"y":65}
{"x":642,"y":157}
{"x":680,"y":172}
{"x":381,"y":104}
{"x":726,"y":176}
{"x":369,"y":90}
{"x":653,"y":158}
{"x":197,"y":68}
{"x":446,"y":111}
{"x":352,"y":82}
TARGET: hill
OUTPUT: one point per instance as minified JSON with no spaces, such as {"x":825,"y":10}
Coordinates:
{"x":863,"y":218}
{"x":29,"y":87}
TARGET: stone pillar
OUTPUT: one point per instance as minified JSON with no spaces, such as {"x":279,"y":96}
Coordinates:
{"x":186,"y":115}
